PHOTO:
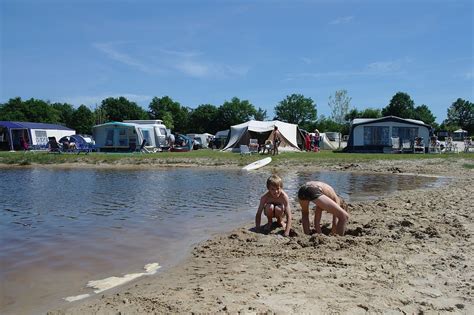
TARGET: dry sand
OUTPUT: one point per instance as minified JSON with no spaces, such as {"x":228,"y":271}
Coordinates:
{"x":410,"y":252}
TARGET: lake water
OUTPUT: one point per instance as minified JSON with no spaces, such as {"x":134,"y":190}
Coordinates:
{"x":63,"y":228}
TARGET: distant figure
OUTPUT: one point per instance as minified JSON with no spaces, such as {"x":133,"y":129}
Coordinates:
{"x":274,"y":204}
{"x":325,"y":198}
{"x":171,"y":140}
{"x":24,"y":144}
{"x":316,"y":139}
{"x":307,"y":141}
{"x":276,"y":140}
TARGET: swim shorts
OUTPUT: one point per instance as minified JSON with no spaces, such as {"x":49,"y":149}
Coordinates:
{"x":309,"y":192}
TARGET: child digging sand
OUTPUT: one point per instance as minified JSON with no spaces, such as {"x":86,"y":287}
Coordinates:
{"x":325,"y":199}
{"x":274,"y":204}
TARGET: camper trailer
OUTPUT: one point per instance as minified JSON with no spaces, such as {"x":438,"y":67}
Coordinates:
{"x":154,"y":131}
{"x":117,"y":136}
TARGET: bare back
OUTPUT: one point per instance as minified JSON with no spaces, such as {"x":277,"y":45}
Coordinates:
{"x":326,"y":189}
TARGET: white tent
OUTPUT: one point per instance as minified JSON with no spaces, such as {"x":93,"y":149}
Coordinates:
{"x":263,"y":130}
{"x":330,"y":141}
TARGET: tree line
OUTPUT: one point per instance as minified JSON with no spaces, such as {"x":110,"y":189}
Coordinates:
{"x":295,"y":108}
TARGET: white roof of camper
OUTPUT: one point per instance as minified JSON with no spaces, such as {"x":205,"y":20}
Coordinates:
{"x":357,"y":121}
{"x":145,"y":122}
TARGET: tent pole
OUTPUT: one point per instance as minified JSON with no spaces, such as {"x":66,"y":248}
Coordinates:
{"x":11,"y":140}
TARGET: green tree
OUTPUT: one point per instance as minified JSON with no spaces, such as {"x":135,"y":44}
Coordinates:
{"x":401,"y":105}
{"x":82,"y":120}
{"x":174,"y":115}
{"x":33,"y":110}
{"x":461,"y":113}
{"x":325,"y":124}
{"x":203,"y":119}
{"x":366,"y":113}
{"x":64,"y":112}
{"x":339,"y":105}
{"x":120,"y":109}
{"x":261,"y":114}
{"x":297,"y":109}
{"x":13,"y":110}
{"x":235,"y":112}
{"x":424,"y":114}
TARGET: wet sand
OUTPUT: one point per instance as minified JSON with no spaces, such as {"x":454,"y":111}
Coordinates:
{"x":410,"y":252}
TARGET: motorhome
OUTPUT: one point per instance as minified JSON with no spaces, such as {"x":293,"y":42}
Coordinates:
{"x":154,"y":131}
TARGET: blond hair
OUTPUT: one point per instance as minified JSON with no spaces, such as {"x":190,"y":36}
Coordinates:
{"x":274,"y":180}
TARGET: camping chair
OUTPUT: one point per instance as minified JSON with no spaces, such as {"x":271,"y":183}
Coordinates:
{"x":253,"y":145}
{"x":468,"y":144}
{"x":244,"y":150}
{"x":82,"y":147}
{"x":142,"y":149}
{"x":268,"y":146}
{"x":396,"y":145}
{"x":418,"y":146}
{"x":434,"y":146}
{"x":53,"y":145}
{"x":406,"y":146}
{"x":450,"y":146}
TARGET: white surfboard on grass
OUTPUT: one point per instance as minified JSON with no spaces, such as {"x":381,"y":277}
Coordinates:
{"x":257,"y":164}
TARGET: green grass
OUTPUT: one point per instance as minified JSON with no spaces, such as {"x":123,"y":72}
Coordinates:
{"x":210,"y":157}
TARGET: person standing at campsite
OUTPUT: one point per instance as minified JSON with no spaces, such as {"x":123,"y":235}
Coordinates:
{"x":276,"y":140}
{"x":325,"y":198}
{"x":171,"y":140}
{"x":307,"y":140}
{"x":316,"y":139}
{"x":274,"y":204}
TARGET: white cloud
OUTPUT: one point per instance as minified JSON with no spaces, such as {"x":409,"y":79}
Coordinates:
{"x":184,"y":54}
{"x":193,"y":69}
{"x":342,"y":20}
{"x":384,"y":66}
{"x":189,"y":62}
{"x":209,"y":70}
{"x":372,"y":69}
{"x":307,"y":61}
{"x":113,"y":53}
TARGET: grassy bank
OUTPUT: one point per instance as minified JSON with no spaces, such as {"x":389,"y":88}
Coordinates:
{"x":209,"y":157}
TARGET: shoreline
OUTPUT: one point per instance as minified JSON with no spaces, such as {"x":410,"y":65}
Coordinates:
{"x":407,"y":252}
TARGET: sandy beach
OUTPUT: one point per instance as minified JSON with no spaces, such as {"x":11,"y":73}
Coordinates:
{"x":410,"y":252}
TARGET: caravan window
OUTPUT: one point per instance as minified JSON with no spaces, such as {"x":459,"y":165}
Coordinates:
{"x":147,"y":136}
{"x":376,"y":135}
{"x":109,"y":140}
{"x":41,"y":137}
{"x":162,"y":131}
{"x":405,"y":132}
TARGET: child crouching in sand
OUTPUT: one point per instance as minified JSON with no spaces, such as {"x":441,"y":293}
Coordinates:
{"x":274,"y":204}
{"x":325,"y":198}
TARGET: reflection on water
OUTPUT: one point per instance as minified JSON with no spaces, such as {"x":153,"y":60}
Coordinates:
{"x":61,"y":228}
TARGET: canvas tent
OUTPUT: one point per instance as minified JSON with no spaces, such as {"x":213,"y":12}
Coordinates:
{"x":35,"y":134}
{"x":291,"y":137}
{"x":330,"y":141}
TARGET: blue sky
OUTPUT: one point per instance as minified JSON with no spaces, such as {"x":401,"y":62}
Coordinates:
{"x":206,"y":52}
